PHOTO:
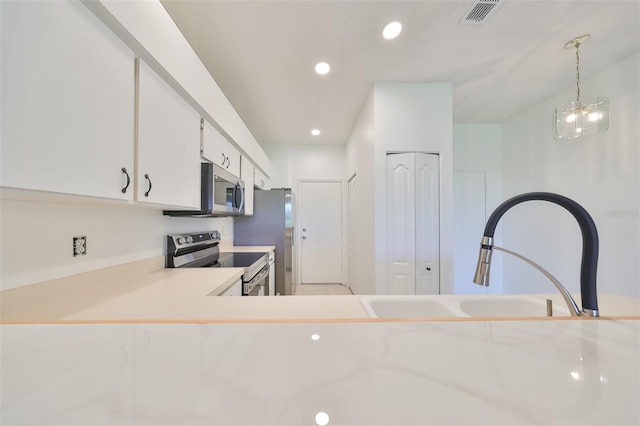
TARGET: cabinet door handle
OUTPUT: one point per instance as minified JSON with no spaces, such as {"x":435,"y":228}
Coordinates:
{"x":224,"y":159}
{"x":146,"y":194}
{"x":124,"y":190}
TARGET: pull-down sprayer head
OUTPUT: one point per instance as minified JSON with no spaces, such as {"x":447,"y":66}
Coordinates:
{"x":482,"y":275}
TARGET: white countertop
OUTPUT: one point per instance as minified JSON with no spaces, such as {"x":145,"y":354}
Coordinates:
{"x":523,"y":372}
{"x":169,"y":303}
{"x":236,"y":249}
{"x":154,"y":348}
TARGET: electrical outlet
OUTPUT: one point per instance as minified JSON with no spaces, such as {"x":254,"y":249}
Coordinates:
{"x":80,"y":245}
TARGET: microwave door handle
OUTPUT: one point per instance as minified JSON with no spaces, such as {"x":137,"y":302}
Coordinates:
{"x":240,"y":207}
{"x":234,"y":197}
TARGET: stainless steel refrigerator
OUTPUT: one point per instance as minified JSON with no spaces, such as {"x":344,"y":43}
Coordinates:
{"x":271,"y":225}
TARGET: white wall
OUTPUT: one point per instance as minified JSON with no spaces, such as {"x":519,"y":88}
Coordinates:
{"x":477,"y":191}
{"x":37,"y":237}
{"x":278,"y":153}
{"x":360,"y":161}
{"x":600,"y":172}
{"x":293,"y":163}
{"x":398,"y":117}
{"x":414,"y":117}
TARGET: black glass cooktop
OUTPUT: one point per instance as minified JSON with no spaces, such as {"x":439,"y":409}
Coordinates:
{"x":239,"y":260}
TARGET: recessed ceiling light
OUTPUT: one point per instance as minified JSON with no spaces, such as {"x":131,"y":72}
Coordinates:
{"x":322,"y":68}
{"x":315,"y":132}
{"x":392,"y":30}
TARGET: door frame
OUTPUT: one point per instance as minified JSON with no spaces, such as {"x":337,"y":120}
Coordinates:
{"x":351,"y":237}
{"x":343,"y":226}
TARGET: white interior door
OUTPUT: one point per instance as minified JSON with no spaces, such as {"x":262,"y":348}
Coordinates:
{"x":353,"y":238}
{"x":320,"y":231}
{"x":427,"y":224}
{"x":401,"y":224}
{"x":413,"y":224}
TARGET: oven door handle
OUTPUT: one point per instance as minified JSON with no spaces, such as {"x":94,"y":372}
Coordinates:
{"x":248,"y":286}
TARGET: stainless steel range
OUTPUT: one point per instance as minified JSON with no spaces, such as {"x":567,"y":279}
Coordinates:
{"x":201,"y":250}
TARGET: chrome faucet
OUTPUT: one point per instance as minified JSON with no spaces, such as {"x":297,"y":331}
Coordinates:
{"x":589,"y":265}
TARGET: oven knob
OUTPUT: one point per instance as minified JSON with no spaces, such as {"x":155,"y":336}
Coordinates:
{"x":181,"y":240}
{"x":189,"y":239}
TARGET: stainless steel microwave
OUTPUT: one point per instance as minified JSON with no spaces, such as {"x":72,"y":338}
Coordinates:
{"x":221,"y":194}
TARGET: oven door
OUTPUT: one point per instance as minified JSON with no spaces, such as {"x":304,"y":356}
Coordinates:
{"x":258,"y":285}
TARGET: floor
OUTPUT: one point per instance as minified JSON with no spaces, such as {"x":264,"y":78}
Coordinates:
{"x":321,"y":289}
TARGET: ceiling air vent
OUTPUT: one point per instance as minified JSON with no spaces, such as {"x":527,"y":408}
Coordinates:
{"x":480,"y":11}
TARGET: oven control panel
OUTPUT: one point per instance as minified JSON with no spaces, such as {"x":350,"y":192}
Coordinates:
{"x":200,"y":237}
{"x":194,"y":239}
{"x":185,"y":248}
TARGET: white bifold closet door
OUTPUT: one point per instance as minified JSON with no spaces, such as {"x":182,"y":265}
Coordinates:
{"x":413,"y":237}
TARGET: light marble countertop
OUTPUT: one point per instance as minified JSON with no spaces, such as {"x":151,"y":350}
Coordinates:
{"x":383,"y":373}
{"x":283,"y":360}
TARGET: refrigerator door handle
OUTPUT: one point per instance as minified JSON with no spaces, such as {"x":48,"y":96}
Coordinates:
{"x":293,"y":235}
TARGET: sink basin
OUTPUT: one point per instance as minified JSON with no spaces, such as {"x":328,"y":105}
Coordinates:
{"x":450,"y":306}
{"x":405,"y":307}
{"x":509,"y":306}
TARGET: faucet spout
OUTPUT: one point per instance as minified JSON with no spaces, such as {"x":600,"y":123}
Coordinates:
{"x":590,"y":245}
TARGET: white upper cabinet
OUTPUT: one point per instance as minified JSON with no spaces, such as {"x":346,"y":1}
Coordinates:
{"x":67,"y":101}
{"x":168,"y":145}
{"x":219,"y":150}
{"x":246,"y":172}
{"x":260,"y":180}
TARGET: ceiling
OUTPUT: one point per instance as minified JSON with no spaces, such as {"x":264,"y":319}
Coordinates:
{"x":262,"y":55}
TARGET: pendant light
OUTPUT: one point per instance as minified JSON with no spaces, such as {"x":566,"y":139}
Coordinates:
{"x":575,"y":119}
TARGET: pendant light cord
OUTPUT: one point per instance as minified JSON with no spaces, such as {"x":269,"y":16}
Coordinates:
{"x":578,"y":73}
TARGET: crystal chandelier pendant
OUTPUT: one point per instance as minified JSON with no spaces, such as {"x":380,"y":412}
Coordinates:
{"x":573,"y":119}
{"x":576,"y":119}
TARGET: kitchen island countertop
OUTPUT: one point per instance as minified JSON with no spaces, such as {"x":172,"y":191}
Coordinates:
{"x":153,"y":348}
{"x":381,"y":373}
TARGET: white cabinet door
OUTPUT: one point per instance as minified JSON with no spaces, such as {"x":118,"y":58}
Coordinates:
{"x":260,"y":180}
{"x":68,"y":89}
{"x":168,"y":145}
{"x":234,"y":290}
{"x":219,"y":150}
{"x":246,"y":174}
